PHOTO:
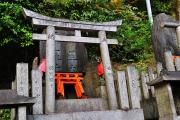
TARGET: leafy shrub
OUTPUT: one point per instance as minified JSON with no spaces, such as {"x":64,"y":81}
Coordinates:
{"x":5,"y":114}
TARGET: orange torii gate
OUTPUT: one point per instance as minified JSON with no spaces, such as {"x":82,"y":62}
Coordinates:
{"x":50,"y":37}
{"x":69,"y":78}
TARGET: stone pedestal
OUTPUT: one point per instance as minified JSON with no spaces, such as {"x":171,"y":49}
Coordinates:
{"x":164,"y":96}
{"x":165,"y":102}
{"x":135,"y":114}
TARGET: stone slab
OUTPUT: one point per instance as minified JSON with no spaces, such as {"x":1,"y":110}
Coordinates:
{"x":122,"y":90}
{"x":36,"y":76}
{"x":11,"y":99}
{"x":151,"y":78}
{"x":165,"y":102}
{"x":135,"y":114}
{"x":144,"y":86}
{"x":22,"y":86}
{"x":133,"y":89}
{"x":150,"y":109}
{"x":166,"y":76}
{"x":63,"y":38}
{"x":78,"y":105}
{"x":22,"y":79}
{"x":29,"y":13}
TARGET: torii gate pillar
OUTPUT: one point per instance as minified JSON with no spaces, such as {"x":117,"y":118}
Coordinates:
{"x":50,"y":70}
{"x":112,"y":100}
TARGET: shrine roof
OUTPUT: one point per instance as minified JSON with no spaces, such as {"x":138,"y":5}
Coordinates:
{"x":42,"y":20}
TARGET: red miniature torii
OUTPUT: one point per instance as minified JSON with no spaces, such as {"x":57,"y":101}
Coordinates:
{"x":69,"y":78}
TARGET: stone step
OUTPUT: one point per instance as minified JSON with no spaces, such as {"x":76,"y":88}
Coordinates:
{"x":81,"y":105}
{"x":135,"y":114}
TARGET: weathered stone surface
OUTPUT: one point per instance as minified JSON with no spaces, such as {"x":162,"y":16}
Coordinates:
{"x":32,"y":14}
{"x":11,"y":99}
{"x":159,"y":68}
{"x":169,"y":61}
{"x":135,"y":114}
{"x":50,"y":71}
{"x":166,"y":76}
{"x":22,"y":79}
{"x":91,"y":81}
{"x":177,"y":89}
{"x":150,"y":109}
{"x":42,"y":49}
{"x":133,"y":90}
{"x":144,"y":81}
{"x":163,"y":90}
{"x":81,"y":105}
{"x":59,"y":49}
{"x":43,"y":20}
{"x":101,"y":92}
{"x":22,"y":86}
{"x":72,"y":57}
{"x":177,"y":64}
{"x":165,"y":102}
{"x":170,"y":24}
{"x":151,"y":78}
{"x":108,"y":73}
{"x":163,"y":38}
{"x":122,"y":90}
{"x":73,"y":39}
{"x":36,"y":76}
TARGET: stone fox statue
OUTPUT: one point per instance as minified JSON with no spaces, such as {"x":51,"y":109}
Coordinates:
{"x":163,"y":39}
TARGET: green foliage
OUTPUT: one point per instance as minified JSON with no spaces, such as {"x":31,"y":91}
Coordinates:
{"x":5,"y":114}
{"x":12,"y":27}
{"x":165,"y":6}
{"x":133,"y":35}
{"x":70,"y":2}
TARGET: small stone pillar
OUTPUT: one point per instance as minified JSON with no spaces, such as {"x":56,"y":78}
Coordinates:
{"x":50,"y":71}
{"x":122,"y":90}
{"x":36,"y":76}
{"x":112,"y":100}
{"x":133,"y":87}
{"x":22,"y":86}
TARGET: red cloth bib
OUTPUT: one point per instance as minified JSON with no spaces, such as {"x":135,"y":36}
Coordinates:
{"x":100,"y":69}
{"x":43,"y":65}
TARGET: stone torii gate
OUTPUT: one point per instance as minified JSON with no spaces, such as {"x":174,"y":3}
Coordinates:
{"x":50,"y":37}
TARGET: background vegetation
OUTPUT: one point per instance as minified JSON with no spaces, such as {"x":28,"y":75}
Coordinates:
{"x":133,"y":35}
